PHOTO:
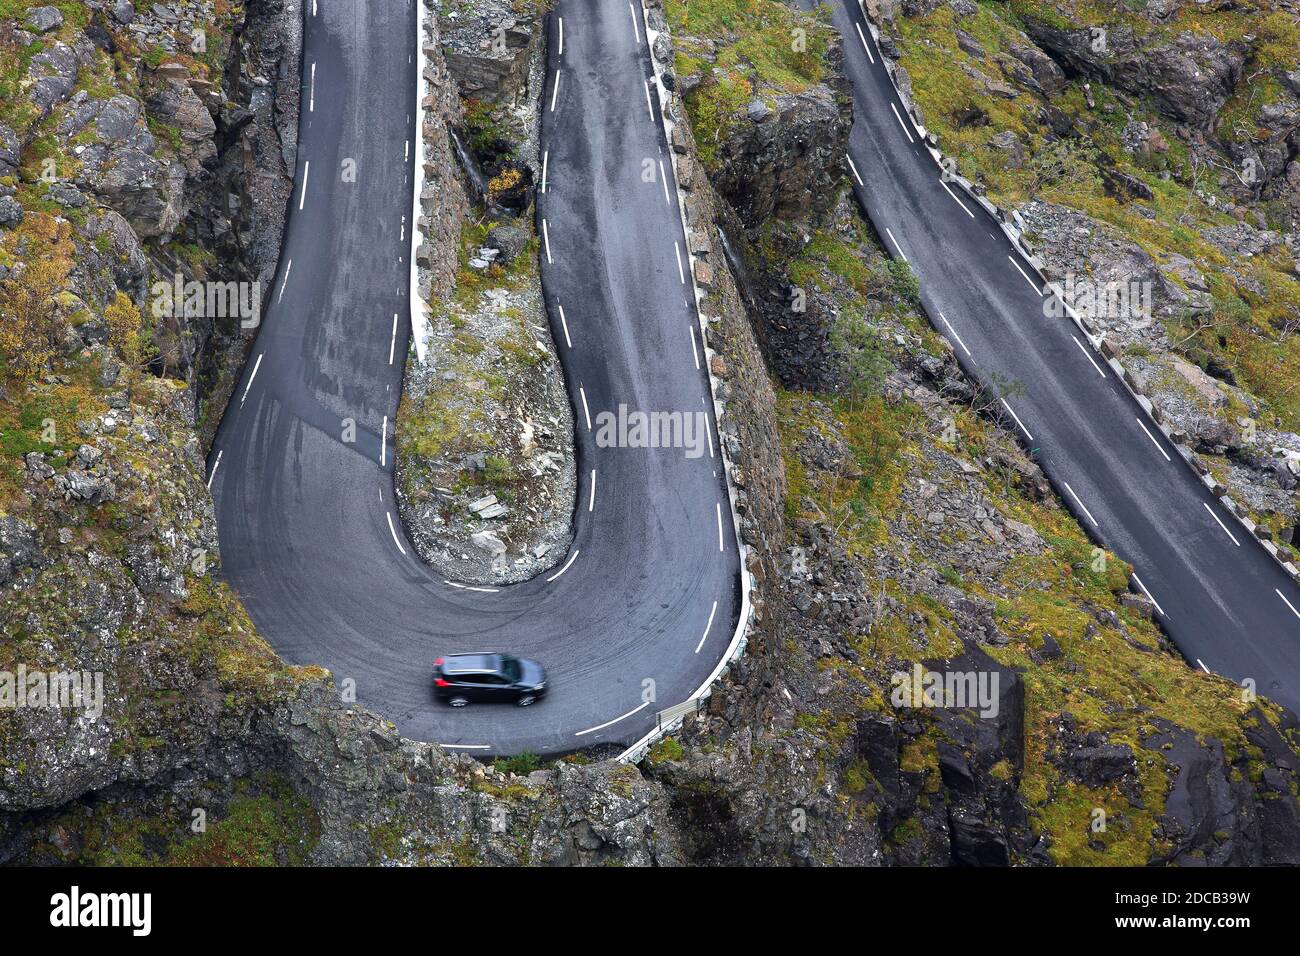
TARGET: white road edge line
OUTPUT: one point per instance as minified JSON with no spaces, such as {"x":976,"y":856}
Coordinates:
{"x":1017,"y":418}
{"x":256,"y":366}
{"x":215,"y":465}
{"x":1031,"y":282}
{"x":1080,"y":503}
{"x":955,"y":199}
{"x":565,"y":324}
{"x":1203,"y":667}
{"x":677,"y":251}
{"x":896,"y":245}
{"x":901,"y":123}
{"x":393,"y":531}
{"x":1153,"y":440}
{"x":663,"y":176}
{"x":864,"y":44}
{"x":466,"y":746}
{"x":636,"y":31}
{"x":467,"y":587}
{"x":592,"y":730}
{"x":591,"y":502}
{"x":306,"y":169}
{"x":649,"y":107}
{"x":1221,"y":524}
{"x":855,"y":170}
{"x":707,"y":627}
{"x":567,"y":564}
{"x":1088,"y":356}
{"x":585,"y":410}
{"x":695,"y":349}
{"x":1286,"y":602}
{"x":1148,"y":594}
{"x":285,"y":281}
{"x":955,"y":335}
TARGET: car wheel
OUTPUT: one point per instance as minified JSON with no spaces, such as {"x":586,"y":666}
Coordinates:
{"x":526,"y":699}
{"x":458,"y":701}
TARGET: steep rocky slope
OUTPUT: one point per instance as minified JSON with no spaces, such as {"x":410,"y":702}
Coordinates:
{"x":1153,"y":151}
{"x":914,"y":531}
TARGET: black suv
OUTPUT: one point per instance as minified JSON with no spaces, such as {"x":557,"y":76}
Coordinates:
{"x":461,"y":678}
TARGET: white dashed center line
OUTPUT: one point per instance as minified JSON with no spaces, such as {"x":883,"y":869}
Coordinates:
{"x":306,"y":169}
{"x":649,"y":107}
{"x":591,"y":502}
{"x":392,"y":346}
{"x":695,"y":349}
{"x":555,"y":90}
{"x":663,"y":175}
{"x":311,"y":101}
{"x":561,"y":53}
{"x":677,"y":250}
{"x":215,"y":465}
{"x":546,"y":236}
{"x":546,"y":156}
{"x":720,"y":546}
{"x":636,"y":30}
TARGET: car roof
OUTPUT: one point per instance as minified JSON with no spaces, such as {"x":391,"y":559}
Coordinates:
{"x":471,"y":663}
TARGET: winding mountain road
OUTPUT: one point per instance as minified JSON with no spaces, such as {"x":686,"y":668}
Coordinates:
{"x":1227,"y":605}
{"x":639,"y":613}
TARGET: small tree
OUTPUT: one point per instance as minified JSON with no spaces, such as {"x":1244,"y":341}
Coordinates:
{"x":30,"y":325}
{"x":122,"y":319}
{"x":862,"y":362}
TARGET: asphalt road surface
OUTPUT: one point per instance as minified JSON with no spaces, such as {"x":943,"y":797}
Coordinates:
{"x":640,"y":611}
{"x":1227,"y":605}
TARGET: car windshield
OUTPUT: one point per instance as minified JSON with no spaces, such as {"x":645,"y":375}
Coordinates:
{"x":510,"y":667}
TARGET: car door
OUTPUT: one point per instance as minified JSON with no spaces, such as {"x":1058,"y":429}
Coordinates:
{"x":496,"y":687}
